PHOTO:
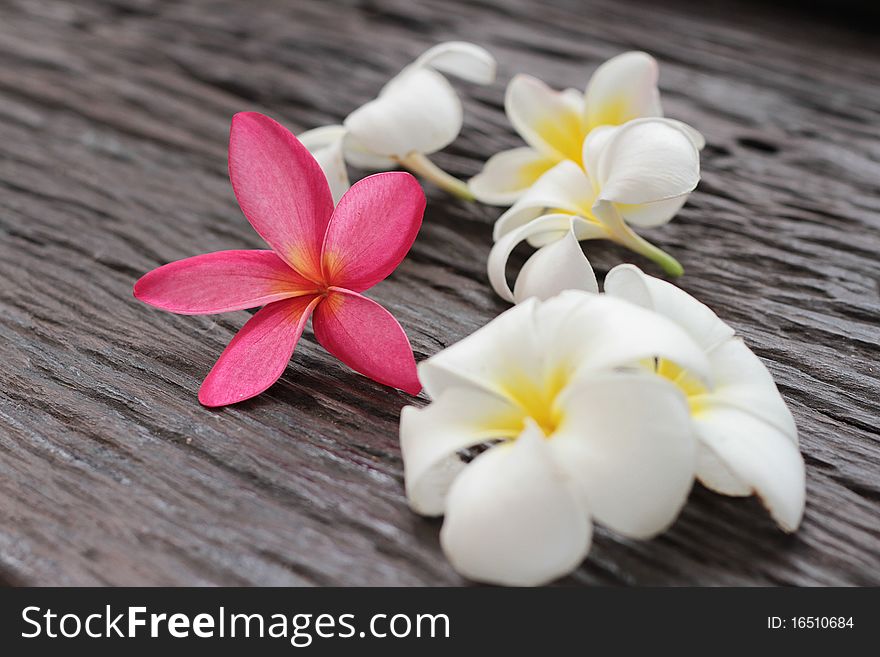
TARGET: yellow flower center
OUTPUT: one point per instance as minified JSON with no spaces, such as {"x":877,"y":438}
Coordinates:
{"x":694,"y":389}
{"x":613,"y":112}
{"x":536,"y":399}
{"x":564,"y":133}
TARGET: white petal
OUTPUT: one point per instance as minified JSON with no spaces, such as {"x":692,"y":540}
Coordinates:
{"x":358,"y":155}
{"x":648,"y":160}
{"x":506,"y":175}
{"x":694,"y":134}
{"x":558,"y":266}
{"x":622,"y":89}
{"x":648,"y":215}
{"x":418,"y":111}
{"x":606,"y":333}
{"x":594,"y":144}
{"x":325,"y":143}
{"x":465,"y":60}
{"x":564,"y":188}
{"x":506,"y":348}
{"x":318,"y":138}
{"x":704,"y":326}
{"x":716,"y":476}
{"x":549,"y":121}
{"x":758,"y":455}
{"x":742,"y":380}
{"x":512,"y":519}
{"x":431,"y":436}
{"x":626,"y":439}
{"x":550,"y":228}
{"x":551,"y":316}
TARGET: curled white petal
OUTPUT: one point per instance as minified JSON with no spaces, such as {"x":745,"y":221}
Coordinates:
{"x":430,"y":437}
{"x":508,"y":174}
{"x":564,"y":188}
{"x":622,"y":89}
{"x":548,"y":120}
{"x":464,"y":60}
{"x":594,"y":144}
{"x":626,"y":440}
{"x":512,"y":518}
{"x":325,"y":143}
{"x":702,"y":324}
{"x":647,"y":160}
{"x":418,"y":111}
{"x":759,"y":455}
{"x":550,"y":228}
{"x":555,"y":267}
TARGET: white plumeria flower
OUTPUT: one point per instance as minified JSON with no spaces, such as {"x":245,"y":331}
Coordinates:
{"x":554,"y":124}
{"x":747,"y":437}
{"x":639,"y":174}
{"x":416,"y":114}
{"x":579,"y":431}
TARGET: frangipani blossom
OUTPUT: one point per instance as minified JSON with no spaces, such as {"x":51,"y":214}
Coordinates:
{"x":416,"y":114}
{"x":747,"y":437}
{"x":637,"y":174}
{"x":321,"y":259}
{"x":579,"y":431}
{"x":554,"y":124}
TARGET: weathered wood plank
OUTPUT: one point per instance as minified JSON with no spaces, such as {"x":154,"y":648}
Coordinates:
{"x":113,"y":125}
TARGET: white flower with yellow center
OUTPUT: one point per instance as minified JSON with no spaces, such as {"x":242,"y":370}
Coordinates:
{"x":554,"y":124}
{"x":637,"y":174}
{"x":747,"y":437}
{"x":577,"y":431}
{"x":416,"y":114}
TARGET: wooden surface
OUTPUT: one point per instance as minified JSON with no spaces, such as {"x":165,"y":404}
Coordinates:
{"x":114,"y":119}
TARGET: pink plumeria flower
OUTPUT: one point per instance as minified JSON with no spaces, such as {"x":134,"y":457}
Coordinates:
{"x":321,"y":259}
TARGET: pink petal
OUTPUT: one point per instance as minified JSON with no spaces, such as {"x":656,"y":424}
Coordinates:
{"x":367,"y":338}
{"x":221,"y":281}
{"x":372,"y":229}
{"x":281,"y":190}
{"x":259,"y":353}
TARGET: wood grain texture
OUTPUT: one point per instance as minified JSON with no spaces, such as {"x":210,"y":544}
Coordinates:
{"x":114,"y":118}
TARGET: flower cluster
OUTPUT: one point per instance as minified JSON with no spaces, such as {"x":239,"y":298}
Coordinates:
{"x":593,"y":407}
{"x":570,"y":408}
{"x":585,"y":406}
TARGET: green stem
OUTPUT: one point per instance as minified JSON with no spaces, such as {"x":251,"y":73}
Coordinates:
{"x":422,"y":166}
{"x":669,"y":264}
{"x":620,"y":232}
